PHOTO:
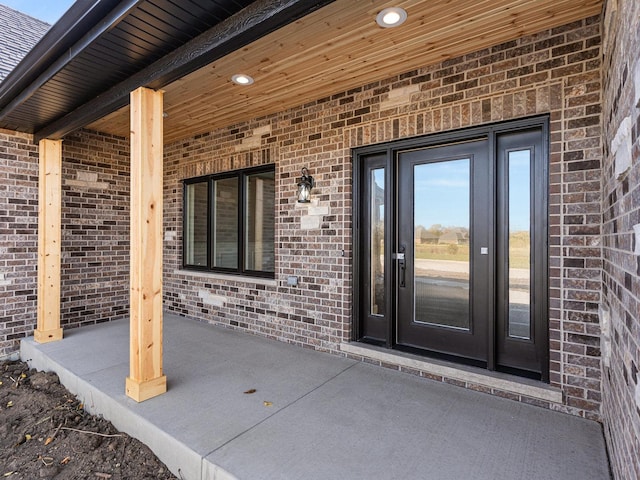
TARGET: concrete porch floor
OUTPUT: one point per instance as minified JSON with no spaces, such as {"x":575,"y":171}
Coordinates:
{"x":330,"y":417}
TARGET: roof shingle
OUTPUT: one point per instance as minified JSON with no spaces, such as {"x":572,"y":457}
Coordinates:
{"x":18,"y":35}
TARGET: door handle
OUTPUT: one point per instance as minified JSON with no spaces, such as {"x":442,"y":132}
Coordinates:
{"x":402,"y":266}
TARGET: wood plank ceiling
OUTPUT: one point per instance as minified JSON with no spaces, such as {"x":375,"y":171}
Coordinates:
{"x":340,"y":47}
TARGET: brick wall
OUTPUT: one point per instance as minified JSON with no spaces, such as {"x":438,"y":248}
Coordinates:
{"x":621,"y":213}
{"x":18,"y":238}
{"x":95,"y":229}
{"x":555,"y":72}
{"x":95,"y":233}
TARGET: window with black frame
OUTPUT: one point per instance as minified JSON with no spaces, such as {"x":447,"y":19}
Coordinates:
{"x":229,"y":222}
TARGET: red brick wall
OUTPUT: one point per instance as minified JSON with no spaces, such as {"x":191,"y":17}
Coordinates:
{"x":621,"y":211}
{"x":555,"y":72}
{"x":18,"y":238}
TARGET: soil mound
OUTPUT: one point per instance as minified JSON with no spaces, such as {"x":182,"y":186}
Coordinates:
{"x":46,"y":434}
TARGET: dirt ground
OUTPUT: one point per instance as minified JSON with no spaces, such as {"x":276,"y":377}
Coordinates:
{"x":45,"y":433}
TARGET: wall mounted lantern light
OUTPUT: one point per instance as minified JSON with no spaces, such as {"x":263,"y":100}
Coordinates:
{"x":305,"y":184}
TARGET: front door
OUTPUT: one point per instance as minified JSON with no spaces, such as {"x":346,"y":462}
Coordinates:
{"x":442,"y":225}
{"x":452,"y":247}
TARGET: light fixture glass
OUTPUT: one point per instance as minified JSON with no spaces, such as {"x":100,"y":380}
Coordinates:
{"x":391,"y":17}
{"x":242,"y":79}
{"x":305,"y":184}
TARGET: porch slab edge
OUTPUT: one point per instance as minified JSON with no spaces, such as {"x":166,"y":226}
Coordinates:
{"x":178,"y":457}
{"x":460,"y":374}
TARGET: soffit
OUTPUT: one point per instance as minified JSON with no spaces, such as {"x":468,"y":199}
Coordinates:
{"x":98,"y":44}
{"x":340,"y":47}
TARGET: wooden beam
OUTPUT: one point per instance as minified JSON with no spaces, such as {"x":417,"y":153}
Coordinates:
{"x":49,"y":240}
{"x":146,"y":379}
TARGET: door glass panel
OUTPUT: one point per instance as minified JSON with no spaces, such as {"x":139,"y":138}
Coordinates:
{"x":441,"y":243}
{"x":519,"y":272}
{"x":225,"y":223}
{"x":376,"y":202}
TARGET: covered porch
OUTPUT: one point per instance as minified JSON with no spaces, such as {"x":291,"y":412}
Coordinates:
{"x":320,"y":92}
{"x":312,"y":415}
{"x":323,"y":79}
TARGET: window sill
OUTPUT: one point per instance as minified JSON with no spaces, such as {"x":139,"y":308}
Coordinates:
{"x":268,"y":282}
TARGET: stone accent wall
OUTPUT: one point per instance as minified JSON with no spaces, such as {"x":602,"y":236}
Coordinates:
{"x":18,"y":238}
{"x":621,"y":242}
{"x":95,"y":229}
{"x":556,"y":72}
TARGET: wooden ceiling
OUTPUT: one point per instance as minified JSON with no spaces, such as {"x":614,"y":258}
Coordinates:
{"x":341,"y":47}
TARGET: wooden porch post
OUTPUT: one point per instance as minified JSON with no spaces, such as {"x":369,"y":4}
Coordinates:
{"x":49,"y":239}
{"x":146,"y":379}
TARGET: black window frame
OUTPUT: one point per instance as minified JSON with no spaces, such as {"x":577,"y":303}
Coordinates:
{"x":241,"y":176}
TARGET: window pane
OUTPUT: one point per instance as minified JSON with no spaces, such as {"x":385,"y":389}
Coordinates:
{"x":519,"y":276}
{"x":376,"y":203}
{"x":195,"y":231}
{"x":260,"y":224}
{"x":225,"y":223}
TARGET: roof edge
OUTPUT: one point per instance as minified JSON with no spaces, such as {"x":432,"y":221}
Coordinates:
{"x":79,"y":19}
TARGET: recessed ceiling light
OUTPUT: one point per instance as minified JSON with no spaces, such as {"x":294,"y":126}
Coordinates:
{"x":241,"y":79}
{"x":391,"y":17}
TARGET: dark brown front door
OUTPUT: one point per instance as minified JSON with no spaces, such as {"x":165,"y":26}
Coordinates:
{"x":452,"y":247}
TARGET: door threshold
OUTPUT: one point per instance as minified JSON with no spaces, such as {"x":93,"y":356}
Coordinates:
{"x":496,"y":383}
